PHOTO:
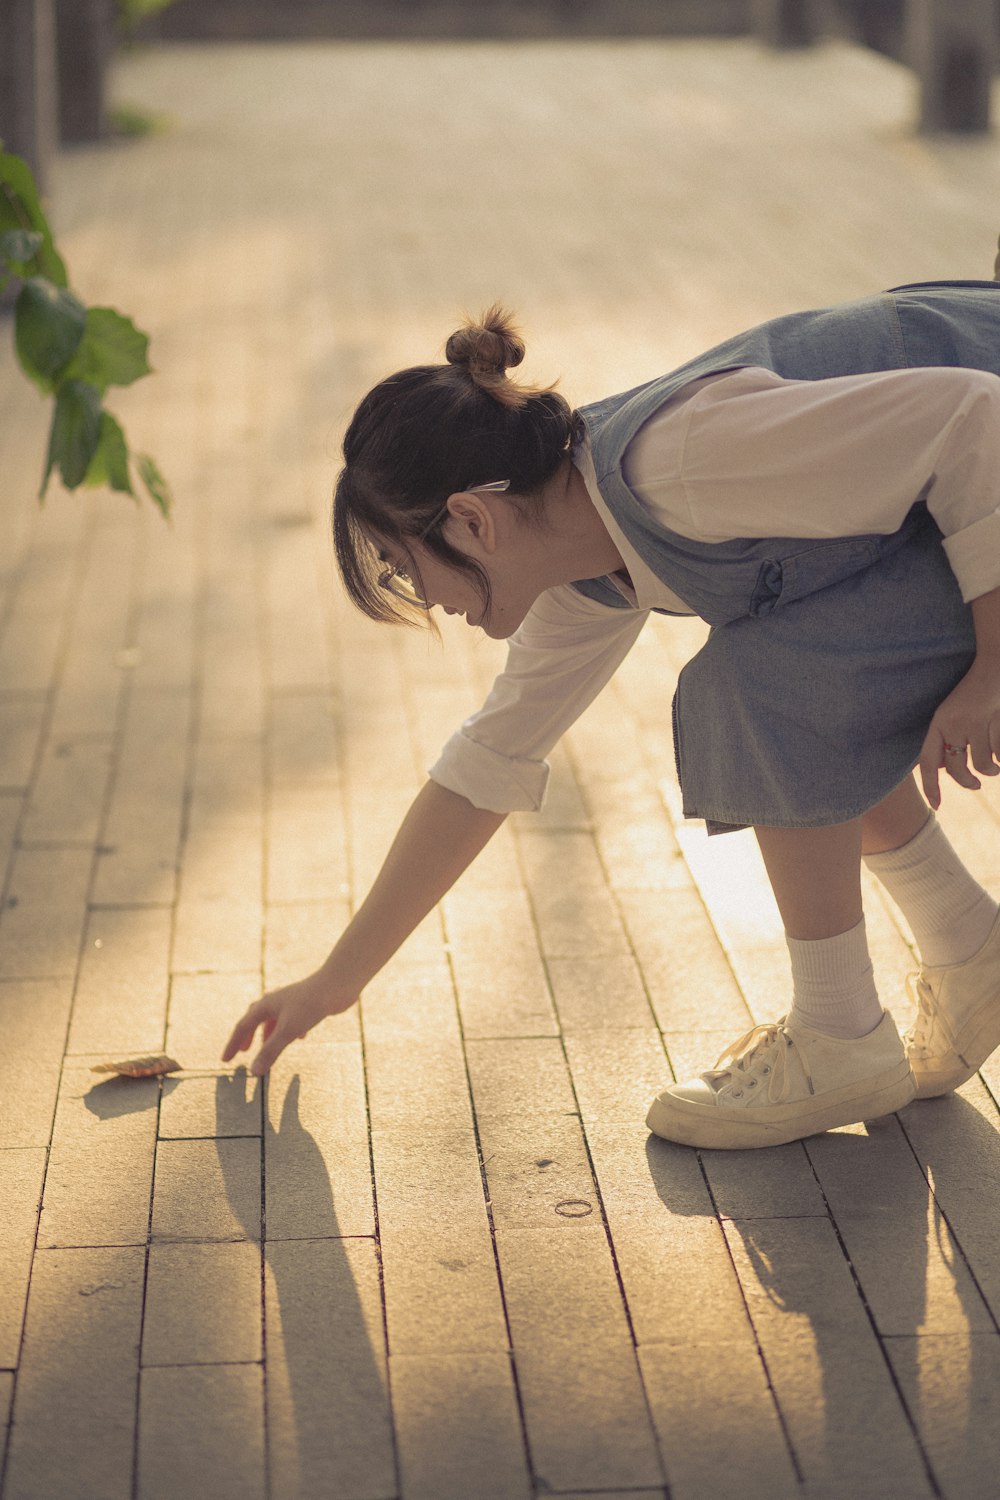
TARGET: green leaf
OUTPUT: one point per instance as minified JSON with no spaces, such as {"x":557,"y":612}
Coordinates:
{"x":18,"y":247}
{"x":111,"y":352}
{"x":49,"y":326}
{"x":20,"y":208}
{"x":159,"y":489}
{"x":75,"y":433}
{"x":109,"y":464}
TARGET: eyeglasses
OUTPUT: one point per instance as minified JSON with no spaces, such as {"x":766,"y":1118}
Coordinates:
{"x":399,"y":583}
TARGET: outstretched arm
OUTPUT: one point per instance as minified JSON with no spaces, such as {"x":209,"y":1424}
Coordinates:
{"x":439,"y":838}
{"x":563,"y":654}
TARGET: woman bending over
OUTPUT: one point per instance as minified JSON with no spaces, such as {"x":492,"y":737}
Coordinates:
{"x":823,"y":491}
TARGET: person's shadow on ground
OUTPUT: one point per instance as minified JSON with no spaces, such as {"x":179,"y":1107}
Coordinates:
{"x":329,"y":1429}
{"x":816,"y":1286}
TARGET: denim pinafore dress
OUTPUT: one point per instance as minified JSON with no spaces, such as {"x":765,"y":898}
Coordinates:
{"x":826,"y":658}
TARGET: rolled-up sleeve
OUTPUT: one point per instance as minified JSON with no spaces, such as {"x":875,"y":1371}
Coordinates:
{"x":974,"y":554}
{"x":564,"y":653}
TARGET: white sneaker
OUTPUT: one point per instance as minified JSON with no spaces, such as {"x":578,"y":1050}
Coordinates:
{"x":784,"y":1081}
{"x":958,"y":1019}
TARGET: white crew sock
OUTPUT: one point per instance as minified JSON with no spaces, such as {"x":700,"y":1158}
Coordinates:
{"x":950,"y":914}
{"x":834,"y":987}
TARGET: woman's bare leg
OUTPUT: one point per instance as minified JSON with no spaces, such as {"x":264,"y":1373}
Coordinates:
{"x":895,"y":820}
{"x":815,"y":874}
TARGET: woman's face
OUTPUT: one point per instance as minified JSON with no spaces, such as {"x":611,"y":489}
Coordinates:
{"x":457,"y":593}
{"x":489,"y":531}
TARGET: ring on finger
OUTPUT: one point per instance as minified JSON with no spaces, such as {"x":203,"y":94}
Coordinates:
{"x":954,"y":749}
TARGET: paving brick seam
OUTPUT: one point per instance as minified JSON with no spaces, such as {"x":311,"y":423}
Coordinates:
{"x":877,"y":1336}
{"x":780,"y":1414}
{"x":956,"y":1237}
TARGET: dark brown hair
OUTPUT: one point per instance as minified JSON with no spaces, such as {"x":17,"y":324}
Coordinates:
{"x":429,"y":432}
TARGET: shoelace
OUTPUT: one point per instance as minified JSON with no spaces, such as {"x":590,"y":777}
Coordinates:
{"x":919,"y":1035}
{"x":762,"y":1049}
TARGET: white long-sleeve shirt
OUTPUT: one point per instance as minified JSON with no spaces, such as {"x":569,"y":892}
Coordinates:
{"x":743,"y":454}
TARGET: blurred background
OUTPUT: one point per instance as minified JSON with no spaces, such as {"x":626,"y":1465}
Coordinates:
{"x":54,"y":54}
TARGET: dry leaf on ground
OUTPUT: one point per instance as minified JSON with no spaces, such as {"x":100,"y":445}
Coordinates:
{"x":139,"y":1067}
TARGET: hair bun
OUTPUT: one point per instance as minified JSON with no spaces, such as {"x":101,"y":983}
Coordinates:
{"x":487,"y":349}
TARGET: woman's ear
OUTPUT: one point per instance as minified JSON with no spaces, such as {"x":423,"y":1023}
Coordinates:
{"x":471,"y":523}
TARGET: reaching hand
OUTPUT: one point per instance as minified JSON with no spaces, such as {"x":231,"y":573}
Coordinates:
{"x":966,"y":726}
{"x":284,"y":1016}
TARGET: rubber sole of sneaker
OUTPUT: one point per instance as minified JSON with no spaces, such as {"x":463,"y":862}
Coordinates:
{"x":978,"y":1038}
{"x":711,"y":1128}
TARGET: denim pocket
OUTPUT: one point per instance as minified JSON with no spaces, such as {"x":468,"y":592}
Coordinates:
{"x":817,"y":567}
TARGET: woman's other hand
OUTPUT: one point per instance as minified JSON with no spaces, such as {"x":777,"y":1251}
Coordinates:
{"x":964,"y":734}
{"x":285,"y":1015}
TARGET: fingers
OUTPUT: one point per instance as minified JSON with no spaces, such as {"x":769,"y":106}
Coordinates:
{"x":964,"y":735}
{"x":274,"y":1045}
{"x":932,"y":758}
{"x":261,"y":1014}
{"x":954,"y":758}
{"x":952,"y":755}
{"x":982,"y":751}
{"x":281,"y":1016}
{"x":241,"y":1038}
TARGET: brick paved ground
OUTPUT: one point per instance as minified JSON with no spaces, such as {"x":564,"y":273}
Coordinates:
{"x":203,"y":754}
